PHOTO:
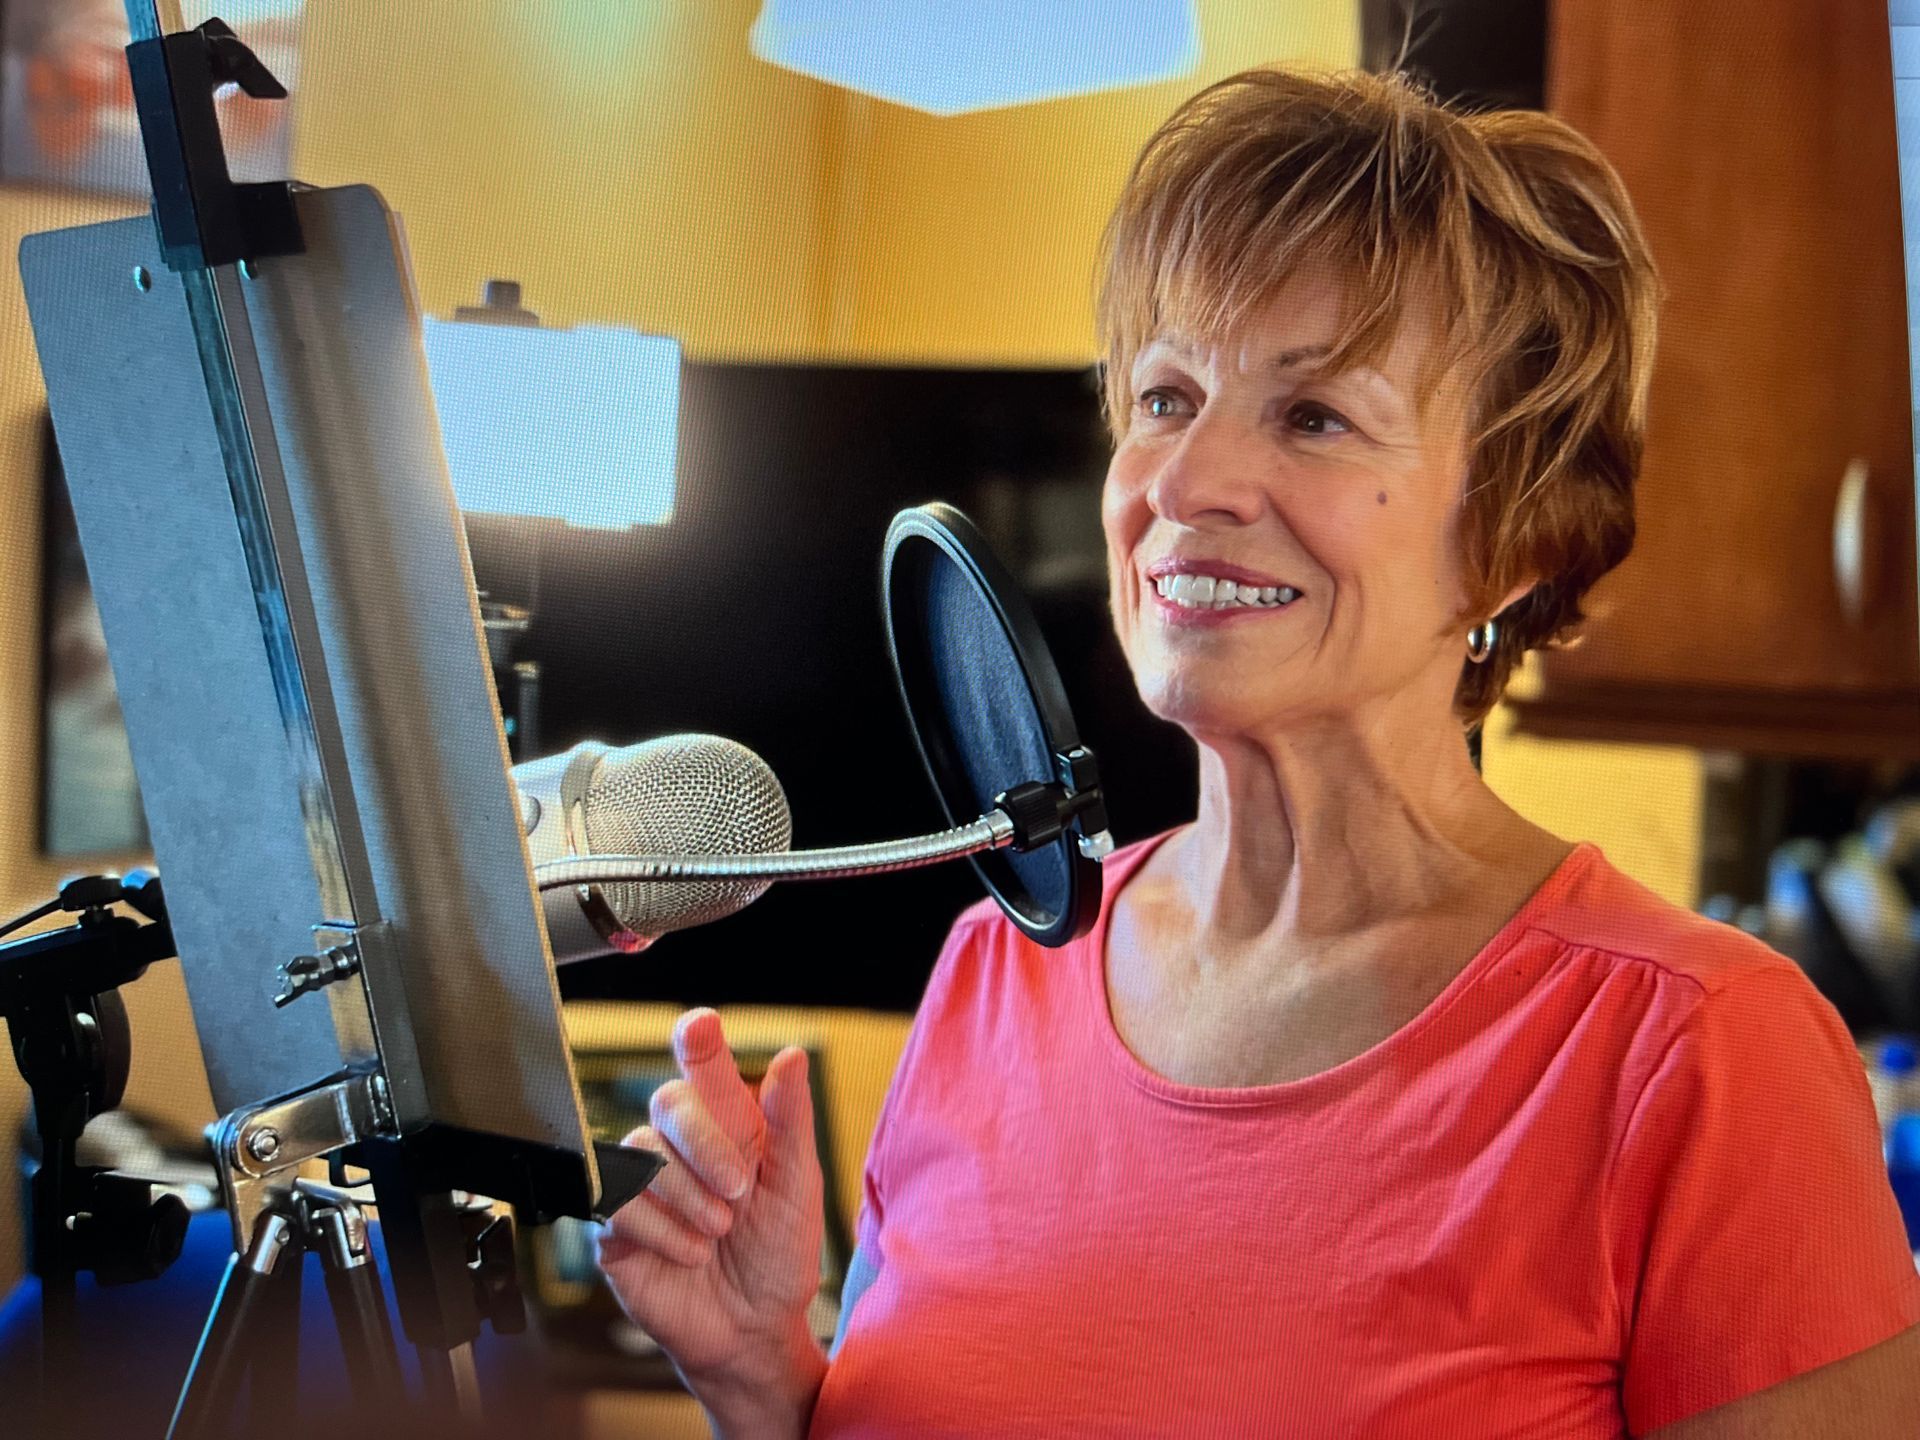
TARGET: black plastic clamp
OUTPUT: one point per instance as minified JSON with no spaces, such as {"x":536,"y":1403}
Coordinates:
{"x":203,"y":217}
{"x":1041,"y":811}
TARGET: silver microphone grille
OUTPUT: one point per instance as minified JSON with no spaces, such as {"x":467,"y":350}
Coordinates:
{"x":684,"y":795}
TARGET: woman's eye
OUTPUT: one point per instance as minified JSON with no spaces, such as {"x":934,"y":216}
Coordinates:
{"x":1309,"y":417}
{"x":1159,"y":404}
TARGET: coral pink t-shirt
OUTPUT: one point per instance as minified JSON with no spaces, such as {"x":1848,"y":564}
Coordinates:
{"x":1624,"y":1168}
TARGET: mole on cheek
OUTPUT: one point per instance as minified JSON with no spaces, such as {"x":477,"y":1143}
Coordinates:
{"x":1381,"y":497}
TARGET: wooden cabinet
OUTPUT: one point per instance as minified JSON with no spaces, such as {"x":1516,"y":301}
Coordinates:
{"x":1769,"y":604}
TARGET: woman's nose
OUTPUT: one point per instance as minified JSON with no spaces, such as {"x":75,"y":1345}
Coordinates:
{"x":1216,"y":476}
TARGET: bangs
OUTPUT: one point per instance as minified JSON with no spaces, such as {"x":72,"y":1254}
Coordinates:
{"x":1208,"y":233}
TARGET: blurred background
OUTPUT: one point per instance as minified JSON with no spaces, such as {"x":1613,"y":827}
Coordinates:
{"x":878,"y":305}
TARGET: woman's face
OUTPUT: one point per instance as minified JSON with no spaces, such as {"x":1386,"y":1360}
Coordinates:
{"x":1329,"y":500}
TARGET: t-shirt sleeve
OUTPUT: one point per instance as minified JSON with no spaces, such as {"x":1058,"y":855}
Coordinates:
{"x":873,"y":1189}
{"x":1755,"y":1233}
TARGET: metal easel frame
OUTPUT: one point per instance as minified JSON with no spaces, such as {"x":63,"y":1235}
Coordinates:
{"x":376,"y":1109}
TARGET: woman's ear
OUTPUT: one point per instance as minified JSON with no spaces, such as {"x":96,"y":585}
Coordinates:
{"x":1515,"y":596}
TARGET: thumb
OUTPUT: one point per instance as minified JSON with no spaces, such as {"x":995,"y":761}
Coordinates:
{"x":786,"y":1097}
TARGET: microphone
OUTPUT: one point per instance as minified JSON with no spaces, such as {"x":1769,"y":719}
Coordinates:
{"x":717,"y":821}
{"x":687,"y":794}
{"x":630,"y":844}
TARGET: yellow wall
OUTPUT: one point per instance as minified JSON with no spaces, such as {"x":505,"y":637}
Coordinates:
{"x":632,"y":164}
{"x":1641,"y":804}
{"x":629,"y":163}
{"x":972,"y":239}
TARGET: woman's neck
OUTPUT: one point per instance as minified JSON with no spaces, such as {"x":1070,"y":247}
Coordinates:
{"x":1321,"y":834}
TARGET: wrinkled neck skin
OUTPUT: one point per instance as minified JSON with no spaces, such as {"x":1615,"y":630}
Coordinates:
{"x":1317,"y":832}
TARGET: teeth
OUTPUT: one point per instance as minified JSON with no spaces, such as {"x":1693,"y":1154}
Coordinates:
{"x":1205,"y":592}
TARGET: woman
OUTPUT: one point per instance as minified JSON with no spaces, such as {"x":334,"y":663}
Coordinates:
{"x":1368,"y":1108}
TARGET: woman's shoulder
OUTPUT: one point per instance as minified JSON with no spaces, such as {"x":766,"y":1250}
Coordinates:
{"x":1664,"y":989}
{"x":987,"y":955}
{"x":983,"y":926}
{"x":1595,"y":906}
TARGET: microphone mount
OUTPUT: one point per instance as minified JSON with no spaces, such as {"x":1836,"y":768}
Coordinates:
{"x":1024,"y":818}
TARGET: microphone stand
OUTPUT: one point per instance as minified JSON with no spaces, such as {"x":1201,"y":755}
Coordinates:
{"x":60,"y":994}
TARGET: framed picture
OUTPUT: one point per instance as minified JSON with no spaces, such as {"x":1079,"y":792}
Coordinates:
{"x":591,"y":1342}
{"x":89,"y":800}
{"x":66,"y":104}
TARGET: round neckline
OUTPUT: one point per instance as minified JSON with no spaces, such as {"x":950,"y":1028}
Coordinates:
{"x":1335,"y":1077}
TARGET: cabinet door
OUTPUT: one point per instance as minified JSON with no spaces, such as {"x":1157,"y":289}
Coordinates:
{"x":1758,"y":144}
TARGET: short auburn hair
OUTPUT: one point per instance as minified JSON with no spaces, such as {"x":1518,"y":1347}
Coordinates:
{"x":1510,"y":220}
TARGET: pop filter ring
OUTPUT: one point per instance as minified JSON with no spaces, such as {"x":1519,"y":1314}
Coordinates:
{"x":961,"y":544}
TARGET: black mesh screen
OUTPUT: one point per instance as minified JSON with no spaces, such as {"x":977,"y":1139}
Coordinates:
{"x":998,"y":740}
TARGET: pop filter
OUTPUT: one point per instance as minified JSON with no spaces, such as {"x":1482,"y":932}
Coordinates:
{"x":989,"y":713}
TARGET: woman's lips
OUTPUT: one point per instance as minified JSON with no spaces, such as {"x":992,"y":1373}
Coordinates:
{"x":1174,"y":613}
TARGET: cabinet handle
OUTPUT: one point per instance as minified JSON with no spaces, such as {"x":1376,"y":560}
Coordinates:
{"x":1855,"y":571}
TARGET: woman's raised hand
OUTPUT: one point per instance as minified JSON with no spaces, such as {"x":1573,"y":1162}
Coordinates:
{"x":719,"y":1257}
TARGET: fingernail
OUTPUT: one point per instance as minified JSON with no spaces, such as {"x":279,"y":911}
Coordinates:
{"x":739,"y":1187}
{"x":683,"y":1035}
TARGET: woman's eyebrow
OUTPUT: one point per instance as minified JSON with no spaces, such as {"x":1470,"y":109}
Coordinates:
{"x":1299,"y":355}
{"x":1176,"y":347}
{"x":1159,"y":352}
{"x":1371,"y":382}
{"x":1168,"y":346}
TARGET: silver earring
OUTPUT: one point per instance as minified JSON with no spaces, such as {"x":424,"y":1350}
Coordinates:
{"x":1481,"y":639}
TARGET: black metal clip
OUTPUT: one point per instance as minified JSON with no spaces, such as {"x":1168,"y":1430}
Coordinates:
{"x":203,"y":217}
{"x":232,"y":63}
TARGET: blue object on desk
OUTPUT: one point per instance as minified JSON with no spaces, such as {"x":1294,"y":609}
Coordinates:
{"x":1903,"y":1169}
{"x":1898,"y":1055}
{"x":139,"y":1340}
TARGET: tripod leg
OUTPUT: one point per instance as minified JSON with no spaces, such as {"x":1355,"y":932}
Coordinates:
{"x":46,"y":1040}
{"x":466,"y":1384}
{"x":360,"y":1314}
{"x":273,"y":1366}
{"x":60,"y":1353}
{"x":213,"y":1381}
{"x":453,"y":1388}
